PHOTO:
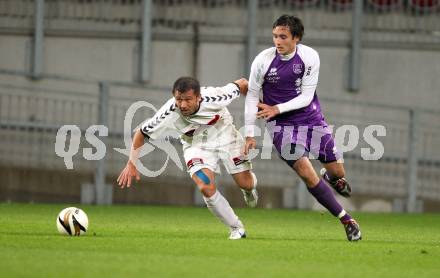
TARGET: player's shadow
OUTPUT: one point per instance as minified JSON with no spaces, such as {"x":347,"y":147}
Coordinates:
{"x":366,"y":241}
{"x":34,"y":234}
{"x":299,"y":239}
{"x":219,"y":236}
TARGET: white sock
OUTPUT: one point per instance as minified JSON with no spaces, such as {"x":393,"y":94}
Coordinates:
{"x":220,"y":207}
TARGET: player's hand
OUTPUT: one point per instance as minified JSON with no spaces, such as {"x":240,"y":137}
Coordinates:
{"x":127,"y":174}
{"x":249,"y":144}
{"x":243,"y":84}
{"x":266,"y":111}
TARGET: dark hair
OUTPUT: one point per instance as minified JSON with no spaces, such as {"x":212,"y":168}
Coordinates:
{"x":295,"y":25}
{"x":184,"y":84}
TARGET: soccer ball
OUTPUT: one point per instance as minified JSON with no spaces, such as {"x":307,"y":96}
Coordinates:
{"x":72,"y":221}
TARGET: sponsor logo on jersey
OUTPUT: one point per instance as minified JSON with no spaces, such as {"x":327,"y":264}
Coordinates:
{"x":272,"y":76}
{"x":309,"y":69}
{"x":272,"y":72}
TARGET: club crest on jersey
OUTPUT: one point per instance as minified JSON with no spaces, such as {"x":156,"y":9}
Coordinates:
{"x":297,"y":68}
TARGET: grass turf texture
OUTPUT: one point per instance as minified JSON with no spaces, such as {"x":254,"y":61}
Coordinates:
{"x":189,"y":242}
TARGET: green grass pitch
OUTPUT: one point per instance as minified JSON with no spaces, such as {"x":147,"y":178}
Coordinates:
{"x":145,"y":241}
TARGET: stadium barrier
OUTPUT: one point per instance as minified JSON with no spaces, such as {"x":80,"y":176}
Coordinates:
{"x":411,"y":144}
{"x":31,"y":117}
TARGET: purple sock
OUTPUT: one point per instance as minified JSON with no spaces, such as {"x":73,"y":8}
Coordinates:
{"x":324,"y":195}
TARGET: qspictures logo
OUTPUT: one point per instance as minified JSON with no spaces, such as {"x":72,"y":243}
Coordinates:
{"x":346,"y":138}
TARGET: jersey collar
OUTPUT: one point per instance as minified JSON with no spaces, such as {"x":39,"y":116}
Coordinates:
{"x":288,"y":56}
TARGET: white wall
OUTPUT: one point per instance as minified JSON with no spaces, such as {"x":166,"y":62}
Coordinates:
{"x":398,"y":77}
{"x":393,"y":76}
{"x":170,"y":61}
{"x":14,"y":52}
{"x":108,"y":59}
{"x":220,"y":63}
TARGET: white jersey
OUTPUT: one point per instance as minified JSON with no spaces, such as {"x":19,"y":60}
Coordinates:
{"x":212,"y":112}
{"x":208,"y":136}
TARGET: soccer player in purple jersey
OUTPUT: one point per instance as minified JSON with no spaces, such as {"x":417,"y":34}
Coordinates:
{"x":287,"y":76}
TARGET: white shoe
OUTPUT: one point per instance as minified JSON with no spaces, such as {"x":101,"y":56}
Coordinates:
{"x":250,"y":197}
{"x":237,"y":233}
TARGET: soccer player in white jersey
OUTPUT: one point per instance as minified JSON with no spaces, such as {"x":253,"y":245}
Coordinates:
{"x":208,"y":136}
{"x":287,"y":77}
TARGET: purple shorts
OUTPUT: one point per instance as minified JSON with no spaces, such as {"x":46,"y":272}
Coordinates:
{"x":294,"y":142}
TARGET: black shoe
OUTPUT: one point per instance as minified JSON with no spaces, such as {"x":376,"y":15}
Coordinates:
{"x":352,"y":230}
{"x":341,"y":185}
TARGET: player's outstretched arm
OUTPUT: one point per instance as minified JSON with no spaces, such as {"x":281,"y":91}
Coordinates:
{"x":249,"y":144}
{"x":242,"y":83}
{"x":151,"y":128}
{"x":130,"y":172}
{"x":223,"y":96}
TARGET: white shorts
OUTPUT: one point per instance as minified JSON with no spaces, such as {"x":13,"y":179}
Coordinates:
{"x":225,"y":146}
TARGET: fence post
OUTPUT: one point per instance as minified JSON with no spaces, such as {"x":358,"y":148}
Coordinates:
{"x":411,"y":205}
{"x":145,"y":51}
{"x":103,"y":193}
{"x":355,"y":50}
{"x":251,"y":47}
{"x":37,"y":50}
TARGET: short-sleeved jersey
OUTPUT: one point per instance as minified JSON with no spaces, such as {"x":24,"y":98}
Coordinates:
{"x":212,"y":112}
{"x":281,"y":80}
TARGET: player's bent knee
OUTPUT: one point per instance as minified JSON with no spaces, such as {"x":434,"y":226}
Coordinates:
{"x":246,"y":180}
{"x":203,"y":177}
{"x":204,"y":183}
{"x":207,"y":190}
{"x":250,"y":181}
{"x":306,"y":172}
{"x":302,"y":169}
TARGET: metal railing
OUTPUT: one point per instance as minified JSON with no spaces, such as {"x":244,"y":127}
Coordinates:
{"x":391,"y":21}
{"x":30,"y":115}
{"x":30,"y":119}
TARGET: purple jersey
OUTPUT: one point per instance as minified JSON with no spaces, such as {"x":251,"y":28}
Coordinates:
{"x":282,"y":83}
{"x":289,"y":82}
